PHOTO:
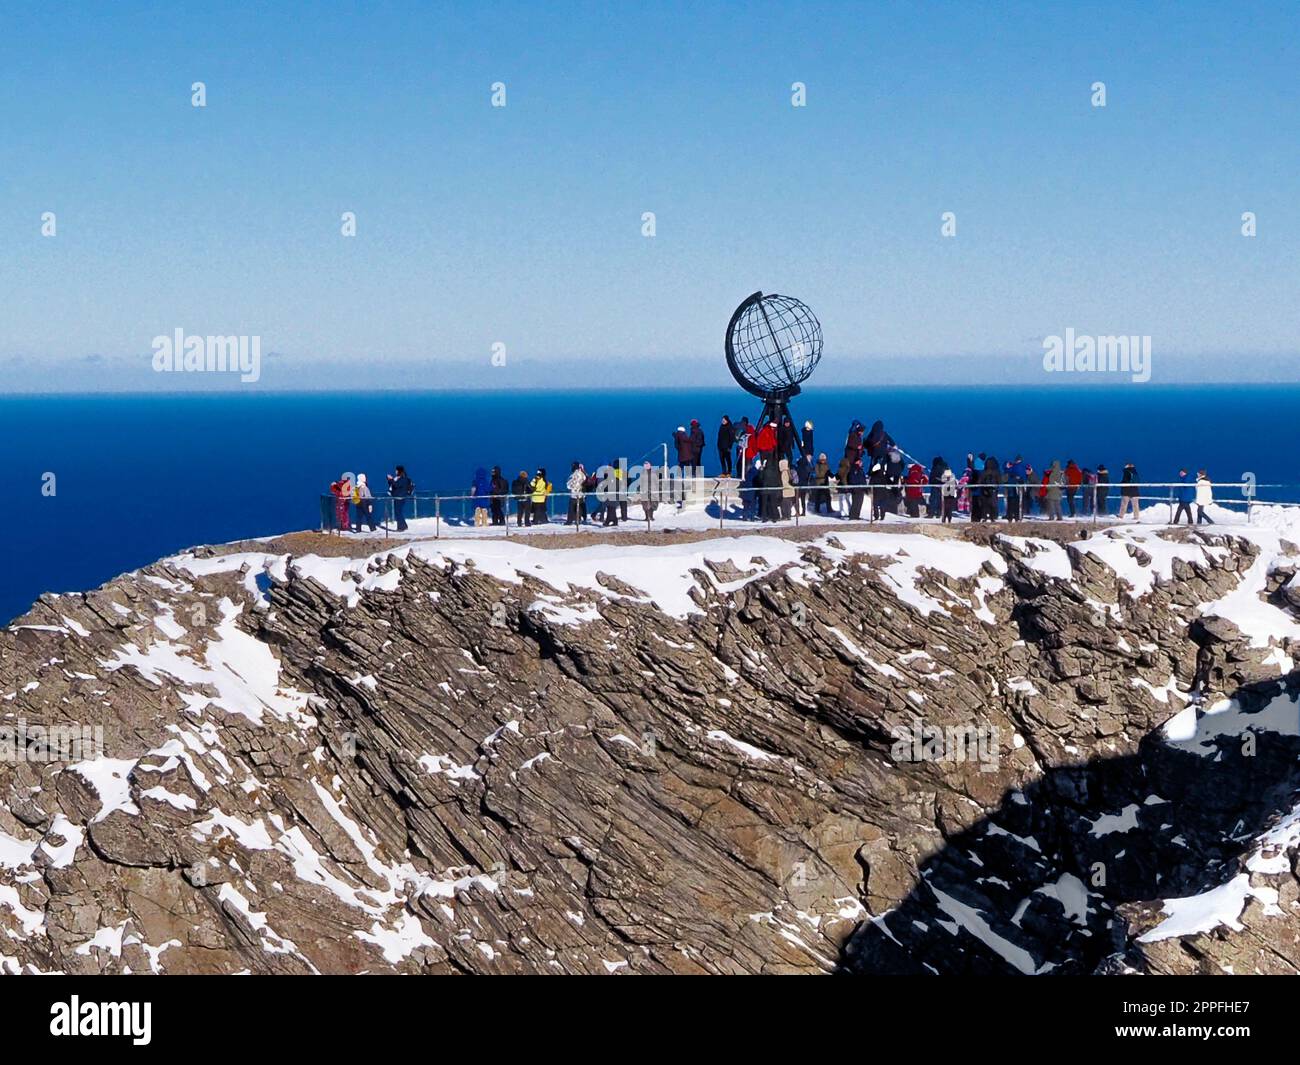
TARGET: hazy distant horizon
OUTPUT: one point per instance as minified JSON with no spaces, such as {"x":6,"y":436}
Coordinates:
{"x":283,"y":373}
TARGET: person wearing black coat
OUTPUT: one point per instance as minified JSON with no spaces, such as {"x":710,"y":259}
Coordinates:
{"x":879,"y":482}
{"x":1128,"y":493}
{"x":785,"y":437}
{"x":804,"y":472}
{"x":590,"y":488}
{"x":878,"y":441}
{"x":894,"y":475}
{"x":857,"y":490}
{"x":934,"y":505}
{"x":520,"y":488}
{"x":500,"y":489}
{"x":740,"y":434}
{"x":697,"y":443}
{"x":806,"y":441}
{"x":990,"y":480}
{"x":1103,"y":487}
{"x":726,"y":440}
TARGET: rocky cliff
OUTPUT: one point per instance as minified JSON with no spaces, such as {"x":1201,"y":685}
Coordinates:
{"x":909,"y":750}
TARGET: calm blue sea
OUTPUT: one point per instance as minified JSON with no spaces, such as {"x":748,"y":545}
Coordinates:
{"x":139,"y":477}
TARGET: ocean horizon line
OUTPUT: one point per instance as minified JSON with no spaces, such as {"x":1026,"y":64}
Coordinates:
{"x":587,"y":389}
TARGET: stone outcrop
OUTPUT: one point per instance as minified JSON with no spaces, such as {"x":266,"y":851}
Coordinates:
{"x":441,"y":759}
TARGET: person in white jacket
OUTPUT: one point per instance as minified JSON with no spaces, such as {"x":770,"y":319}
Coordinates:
{"x":365,"y":503}
{"x":1204,"y":497}
{"x":948,"y":492}
{"x":577,"y":513}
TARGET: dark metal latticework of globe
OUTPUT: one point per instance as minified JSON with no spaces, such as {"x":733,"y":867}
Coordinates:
{"x":773,"y":344}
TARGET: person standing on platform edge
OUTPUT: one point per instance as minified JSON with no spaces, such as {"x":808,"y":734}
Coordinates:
{"x":948,"y":490}
{"x":682,"y":442}
{"x":1184,"y":494}
{"x":365,"y":503}
{"x":697,"y":445}
{"x":1128,"y":493}
{"x":1103,"y":487}
{"x":857,"y":489}
{"x":787,"y":490}
{"x":1204,"y":497}
{"x":1073,"y":478}
{"x":540,"y":489}
{"x":612,"y":496}
{"x":726,"y":441}
{"x":785,"y":438}
{"x":1017,"y":476}
{"x":934,"y":504}
{"x":400,"y":489}
{"x":500,"y":491}
{"x":915,"y":493}
{"x":520,"y":489}
{"x":1053,"y":482}
{"x":481,"y":491}
{"x":577,"y":478}
{"x":342,"y":492}
{"x":741,"y":437}
{"x":803,"y":475}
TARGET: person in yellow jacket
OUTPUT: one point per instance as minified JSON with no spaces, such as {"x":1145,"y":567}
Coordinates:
{"x":541,"y":488}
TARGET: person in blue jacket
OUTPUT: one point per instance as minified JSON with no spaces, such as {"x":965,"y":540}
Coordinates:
{"x":481,"y":491}
{"x":1017,"y":478}
{"x":401,"y":489}
{"x":1184,"y":495}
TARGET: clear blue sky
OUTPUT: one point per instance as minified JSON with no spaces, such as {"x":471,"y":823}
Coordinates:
{"x":523,"y":225}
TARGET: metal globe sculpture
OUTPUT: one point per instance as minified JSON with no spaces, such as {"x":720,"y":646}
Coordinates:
{"x":773,"y":345}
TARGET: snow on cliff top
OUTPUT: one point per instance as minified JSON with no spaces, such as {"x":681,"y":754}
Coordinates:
{"x":665,"y":574}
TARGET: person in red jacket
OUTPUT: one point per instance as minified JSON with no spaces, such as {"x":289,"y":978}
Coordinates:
{"x":1073,"y":478}
{"x":342,"y":492}
{"x":914,"y":494}
{"x":764,"y":441}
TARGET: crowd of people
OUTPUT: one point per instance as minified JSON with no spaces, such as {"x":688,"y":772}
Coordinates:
{"x":781,"y":474}
{"x":490,"y":497}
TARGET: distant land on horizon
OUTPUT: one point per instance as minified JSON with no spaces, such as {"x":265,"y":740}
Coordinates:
{"x":287,"y":373}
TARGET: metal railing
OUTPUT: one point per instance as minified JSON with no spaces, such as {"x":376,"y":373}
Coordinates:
{"x":727,"y":500}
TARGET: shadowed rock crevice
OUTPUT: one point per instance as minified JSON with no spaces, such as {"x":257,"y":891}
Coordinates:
{"x":1042,"y":883}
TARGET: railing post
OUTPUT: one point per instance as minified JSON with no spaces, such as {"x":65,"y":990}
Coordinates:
{"x":437,"y":516}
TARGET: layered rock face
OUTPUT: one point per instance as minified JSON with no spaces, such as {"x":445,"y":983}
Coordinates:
{"x":939,"y":751}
